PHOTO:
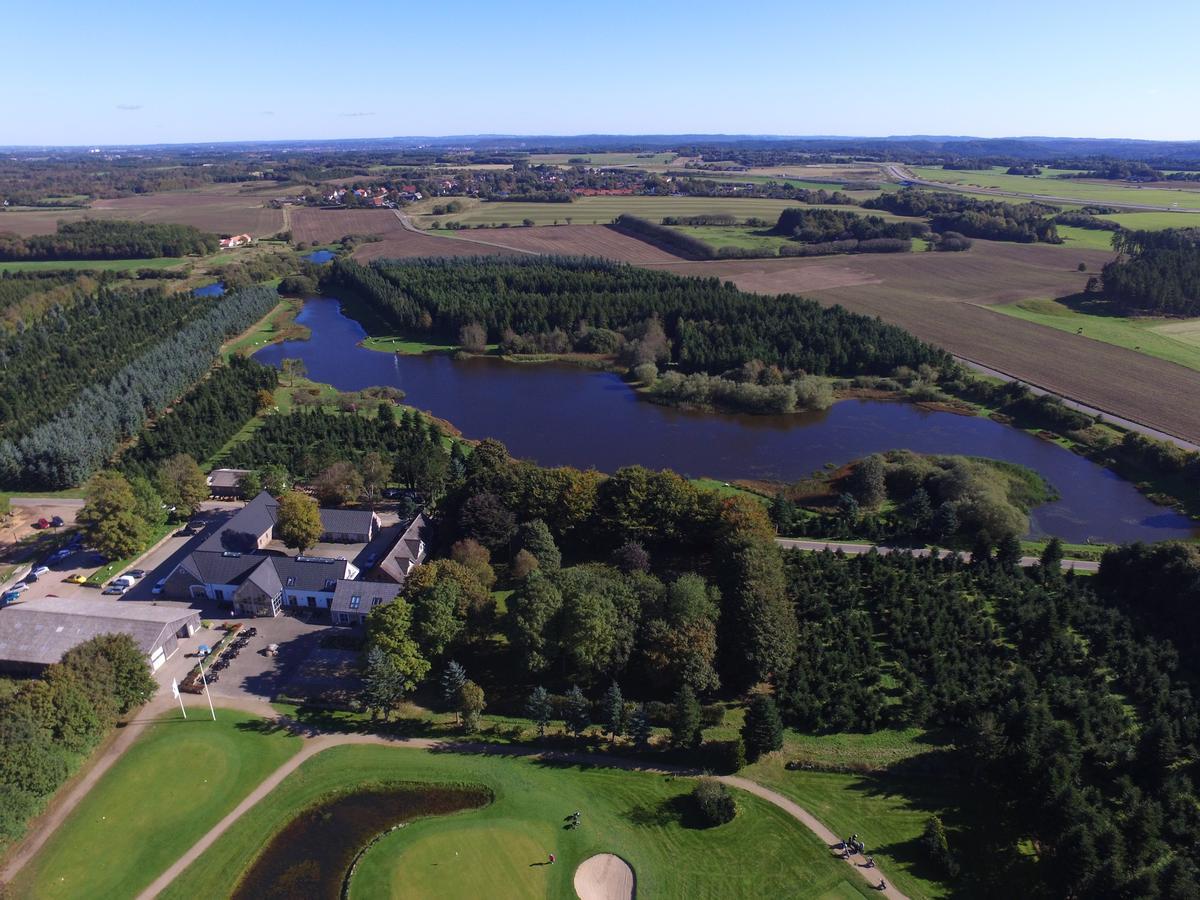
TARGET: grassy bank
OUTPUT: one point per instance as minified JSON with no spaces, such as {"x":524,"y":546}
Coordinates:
{"x":643,"y":818}
{"x":173,"y":784}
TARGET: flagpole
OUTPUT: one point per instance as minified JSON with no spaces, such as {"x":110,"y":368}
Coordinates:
{"x":206,"y":691}
{"x":178,"y":696}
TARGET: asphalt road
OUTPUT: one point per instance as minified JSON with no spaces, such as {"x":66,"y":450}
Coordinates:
{"x":851,"y":549}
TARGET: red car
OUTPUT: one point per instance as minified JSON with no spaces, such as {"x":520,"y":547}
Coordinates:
{"x":42,"y":523}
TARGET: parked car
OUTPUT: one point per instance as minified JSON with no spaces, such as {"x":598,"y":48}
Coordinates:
{"x":135,"y":573}
{"x":116,"y":589}
{"x":40,"y":571}
{"x":159,"y":585}
{"x":9,"y":597}
{"x":59,"y":555}
{"x":124,"y":581}
{"x":56,"y":522}
{"x":76,"y":579}
{"x":19,"y":586}
{"x":42,"y":523}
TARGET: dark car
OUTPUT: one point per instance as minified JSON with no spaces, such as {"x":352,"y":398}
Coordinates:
{"x":56,"y":522}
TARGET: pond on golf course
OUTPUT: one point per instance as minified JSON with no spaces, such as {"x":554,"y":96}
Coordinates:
{"x":563,"y":415}
{"x":311,"y":856}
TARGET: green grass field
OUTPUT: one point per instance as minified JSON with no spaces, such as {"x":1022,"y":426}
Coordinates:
{"x":1085,"y":238}
{"x":1083,"y":191}
{"x":603,"y":159}
{"x":602,"y":210}
{"x":1175,"y":340}
{"x":888,"y":814}
{"x":175,"y":782}
{"x":762,"y":853}
{"x":1154,"y":221}
{"x":95,"y":265}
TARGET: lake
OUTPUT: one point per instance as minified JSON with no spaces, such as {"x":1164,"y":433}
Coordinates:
{"x":556,"y":415}
{"x":319,"y":256}
{"x":216,"y":289}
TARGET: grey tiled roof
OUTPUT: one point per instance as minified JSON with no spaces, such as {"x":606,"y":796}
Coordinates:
{"x":40,"y":632}
{"x":256,"y":518}
{"x":309,"y":573}
{"x":394,"y":563}
{"x":212,"y":567}
{"x":347,"y":521}
{"x":366,"y":591}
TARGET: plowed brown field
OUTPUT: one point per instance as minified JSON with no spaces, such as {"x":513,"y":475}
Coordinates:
{"x":574,"y":240}
{"x":222,"y":209}
{"x":942,"y":298}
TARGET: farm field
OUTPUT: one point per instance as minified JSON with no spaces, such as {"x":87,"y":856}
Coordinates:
{"x":939,"y":297}
{"x":1085,"y":238}
{"x":1174,"y":340}
{"x":173,"y":784}
{"x":219,"y":208}
{"x":637,"y":816}
{"x":604,"y":159}
{"x":602,"y":210}
{"x":94,"y":265}
{"x":1154,"y":221}
{"x":567,"y":240}
{"x":1083,"y":191}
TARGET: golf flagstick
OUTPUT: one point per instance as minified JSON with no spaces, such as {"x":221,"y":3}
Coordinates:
{"x":204,"y":681}
{"x":178,"y":696}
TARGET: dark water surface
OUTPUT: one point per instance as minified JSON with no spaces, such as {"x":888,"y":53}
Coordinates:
{"x":319,"y":256}
{"x":565,"y":415}
{"x":311,"y":857}
{"x":216,"y":289}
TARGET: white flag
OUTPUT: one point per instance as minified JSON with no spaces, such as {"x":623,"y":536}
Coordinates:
{"x":174,"y":688}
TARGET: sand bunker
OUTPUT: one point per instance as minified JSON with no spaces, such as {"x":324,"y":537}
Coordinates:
{"x":604,"y":877}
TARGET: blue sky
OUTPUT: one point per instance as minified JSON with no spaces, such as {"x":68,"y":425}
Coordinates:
{"x":85,"y":72}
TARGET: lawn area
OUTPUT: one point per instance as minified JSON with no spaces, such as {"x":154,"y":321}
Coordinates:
{"x":394,"y":343}
{"x":176,"y":781}
{"x":718,"y":236}
{"x":1175,"y":340}
{"x":277,"y":325}
{"x":887,"y":812}
{"x":636,"y":816}
{"x":602,"y":159}
{"x":107,"y":265}
{"x":1085,"y":238}
{"x":1084,"y":191}
{"x":602,"y":210}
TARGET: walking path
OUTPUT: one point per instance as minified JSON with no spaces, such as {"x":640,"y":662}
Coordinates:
{"x":316,"y":743}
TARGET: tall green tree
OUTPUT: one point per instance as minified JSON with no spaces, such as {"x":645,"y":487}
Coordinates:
{"x":389,"y":628}
{"x":762,"y":731}
{"x":577,"y":711}
{"x":109,"y":516}
{"x":383,"y":683}
{"x":687,"y":727}
{"x":612,"y":709}
{"x":298,"y":521}
{"x":539,"y":708}
{"x":182,"y":484}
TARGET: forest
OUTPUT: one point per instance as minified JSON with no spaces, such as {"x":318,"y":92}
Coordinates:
{"x":700,"y":325}
{"x":823,"y":231}
{"x":1157,"y":272}
{"x":109,"y":239}
{"x":48,"y":725}
{"x":205,"y":417}
{"x":668,"y":239}
{"x":1060,"y":710}
{"x":992,"y":220}
{"x":97,"y":407}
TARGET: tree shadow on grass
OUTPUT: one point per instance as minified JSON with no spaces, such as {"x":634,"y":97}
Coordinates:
{"x":678,"y":810}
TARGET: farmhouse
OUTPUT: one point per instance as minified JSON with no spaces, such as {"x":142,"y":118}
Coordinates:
{"x":36,"y":634}
{"x":235,"y":567}
{"x":405,"y":554}
{"x":238,"y":240}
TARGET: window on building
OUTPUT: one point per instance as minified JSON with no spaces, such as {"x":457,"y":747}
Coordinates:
{"x":375,"y":601}
{"x":330,"y":584}
{"x":312,"y":601}
{"x":355,"y":601}
{"x":291,"y":581}
{"x":343,"y":618}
